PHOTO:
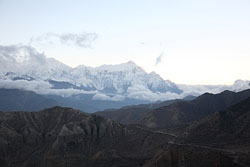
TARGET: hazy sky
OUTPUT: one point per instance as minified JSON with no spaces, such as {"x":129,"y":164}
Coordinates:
{"x":185,"y":41}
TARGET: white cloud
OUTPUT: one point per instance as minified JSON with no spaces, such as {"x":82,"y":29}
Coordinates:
{"x":118,"y":98}
{"x":136,"y":88}
{"x":241,"y":85}
{"x":142,"y":93}
{"x":197,"y":90}
{"x":101,"y":96}
{"x":41,"y":87}
{"x":66,"y":92}
{"x":37,"y":86}
{"x":81,"y":40}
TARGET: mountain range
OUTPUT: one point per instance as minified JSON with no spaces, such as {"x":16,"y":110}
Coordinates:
{"x":175,"y":115}
{"x":91,"y":89}
{"x":182,"y":113}
{"x":133,"y":114}
{"x":231,"y":125}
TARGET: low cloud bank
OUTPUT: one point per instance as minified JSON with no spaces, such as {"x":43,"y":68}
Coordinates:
{"x":37,"y":86}
{"x":45,"y":88}
{"x":197,"y":90}
{"x":136,"y":92}
{"x":41,"y":87}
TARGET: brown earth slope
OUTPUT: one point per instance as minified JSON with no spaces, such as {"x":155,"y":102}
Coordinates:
{"x":66,"y":137}
{"x":133,"y":114}
{"x":228,"y":127}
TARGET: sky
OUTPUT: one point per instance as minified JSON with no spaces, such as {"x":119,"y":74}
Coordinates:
{"x":187,"y":42}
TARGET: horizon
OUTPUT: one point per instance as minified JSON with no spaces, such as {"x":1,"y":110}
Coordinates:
{"x":195,"y":43}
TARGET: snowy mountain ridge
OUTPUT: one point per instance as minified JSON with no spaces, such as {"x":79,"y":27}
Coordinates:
{"x":127,"y":79}
{"x":24,"y":67}
{"x":92,"y":88}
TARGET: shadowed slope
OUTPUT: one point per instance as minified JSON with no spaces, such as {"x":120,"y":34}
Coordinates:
{"x":185,"y":112}
{"x":66,"y":137}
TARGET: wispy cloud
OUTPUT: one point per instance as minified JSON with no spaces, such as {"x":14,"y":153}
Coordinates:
{"x":41,"y":87}
{"x":83,"y":40}
{"x":159,"y":59}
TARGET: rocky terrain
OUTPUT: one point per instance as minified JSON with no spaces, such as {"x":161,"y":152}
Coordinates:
{"x":125,"y":115}
{"x":66,"y":137}
{"x":132,"y":114}
{"x":226,"y":129}
{"x":221,"y":139}
{"x":189,"y":156}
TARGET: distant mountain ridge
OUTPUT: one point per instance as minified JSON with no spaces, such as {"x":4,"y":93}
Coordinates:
{"x":20,"y":100}
{"x":182,"y":113}
{"x":133,"y":114}
{"x":231,"y":125}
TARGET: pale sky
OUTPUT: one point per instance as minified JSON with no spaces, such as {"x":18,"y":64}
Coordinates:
{"x":193,"y":41}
